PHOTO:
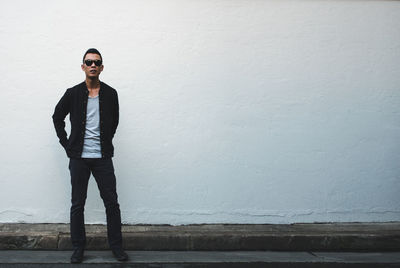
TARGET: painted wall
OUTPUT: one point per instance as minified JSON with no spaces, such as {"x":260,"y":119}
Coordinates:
{"x":232,"y":111}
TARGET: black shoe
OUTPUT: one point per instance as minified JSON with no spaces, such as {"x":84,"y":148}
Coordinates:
{"x":120,"y":254}
{"x":77,"y":256}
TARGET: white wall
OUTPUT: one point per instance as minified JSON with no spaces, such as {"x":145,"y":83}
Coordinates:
{"x":232,"y":111}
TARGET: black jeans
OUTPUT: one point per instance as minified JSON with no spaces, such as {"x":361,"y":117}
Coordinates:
{"x":103,"y":172}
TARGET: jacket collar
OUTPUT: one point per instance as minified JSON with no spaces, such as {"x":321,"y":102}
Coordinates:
{"x":85,"y":89}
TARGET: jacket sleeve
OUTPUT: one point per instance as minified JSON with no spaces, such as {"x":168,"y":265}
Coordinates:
{"x":116,"y":115}
{"x":60,"y":112}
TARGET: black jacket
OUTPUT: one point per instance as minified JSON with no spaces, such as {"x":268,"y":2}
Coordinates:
{"x":74,"y":102}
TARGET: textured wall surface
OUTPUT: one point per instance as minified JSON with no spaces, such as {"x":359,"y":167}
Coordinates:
{"x":232,"y":111}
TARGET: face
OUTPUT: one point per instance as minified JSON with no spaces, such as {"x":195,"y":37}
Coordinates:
{"x":92,"y":71}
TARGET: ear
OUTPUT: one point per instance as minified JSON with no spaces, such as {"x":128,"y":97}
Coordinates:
{"x":101,"y":68}
{"x":83,"y":67}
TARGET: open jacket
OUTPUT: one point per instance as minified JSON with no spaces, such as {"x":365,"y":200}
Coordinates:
{"x":74,"y":103}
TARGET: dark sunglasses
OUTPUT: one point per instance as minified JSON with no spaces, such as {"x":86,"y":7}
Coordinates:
{"x":90,"y":62}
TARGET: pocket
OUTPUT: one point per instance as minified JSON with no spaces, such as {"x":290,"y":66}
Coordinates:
{"x":108,"y":163}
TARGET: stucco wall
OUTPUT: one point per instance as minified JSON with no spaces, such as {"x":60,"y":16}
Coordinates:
{"x":232,"y":111}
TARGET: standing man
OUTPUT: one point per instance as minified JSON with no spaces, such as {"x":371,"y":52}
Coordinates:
{"x":94,"y":112}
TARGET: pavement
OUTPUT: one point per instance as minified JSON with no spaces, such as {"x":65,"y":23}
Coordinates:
{"x":209,"y":245}
{"x":175,"y":259}
{"x":373,"y":237}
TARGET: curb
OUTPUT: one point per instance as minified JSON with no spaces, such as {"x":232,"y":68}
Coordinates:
{"x":213,"y":237}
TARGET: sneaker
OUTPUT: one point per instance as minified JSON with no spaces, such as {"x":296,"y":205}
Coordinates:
{"x":77,"y":256}
{"x":120,"y":254}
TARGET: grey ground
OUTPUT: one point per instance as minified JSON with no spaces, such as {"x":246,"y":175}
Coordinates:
{"x":23,"y":258}
{"x":209,"y":245}
{"x":211,"y":237}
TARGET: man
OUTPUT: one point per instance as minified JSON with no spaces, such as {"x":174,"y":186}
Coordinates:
{"x":94,"y":112}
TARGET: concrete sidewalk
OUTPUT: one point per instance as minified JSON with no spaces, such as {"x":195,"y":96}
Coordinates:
{"x":376,"y":237}
{"x":175,"y":259}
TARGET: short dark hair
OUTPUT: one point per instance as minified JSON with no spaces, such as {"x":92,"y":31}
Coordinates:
{"x":94,"y":51}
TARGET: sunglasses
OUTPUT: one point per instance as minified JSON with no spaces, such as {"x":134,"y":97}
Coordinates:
{"x":90,"y":62}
